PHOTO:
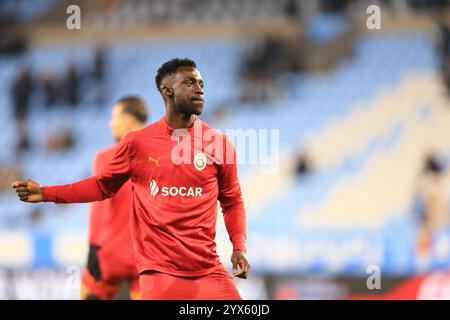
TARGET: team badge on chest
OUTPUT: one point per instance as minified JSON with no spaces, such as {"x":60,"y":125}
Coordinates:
{"x":199,"y":161}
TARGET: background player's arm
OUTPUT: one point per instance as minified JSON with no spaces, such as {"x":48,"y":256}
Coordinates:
{"x":99,"y":187}
{"x":233,"y":210}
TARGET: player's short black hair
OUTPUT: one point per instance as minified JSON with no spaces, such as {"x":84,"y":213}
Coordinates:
{"x":134,"y":106}
{"x":170,"y":67}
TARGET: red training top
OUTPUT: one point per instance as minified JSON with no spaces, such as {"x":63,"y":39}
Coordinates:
{"x":177,"y":178}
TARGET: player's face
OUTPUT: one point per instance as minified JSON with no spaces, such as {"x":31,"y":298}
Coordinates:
{"x":188,"y":91}
{"x":116,"y":122}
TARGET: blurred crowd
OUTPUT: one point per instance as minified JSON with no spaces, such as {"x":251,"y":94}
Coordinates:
{"x":50,"y":90}
{"x":13,"y":39}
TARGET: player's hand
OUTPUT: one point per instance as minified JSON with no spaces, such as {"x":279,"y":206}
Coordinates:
{"x":29,"y":191}
{"x":239,"y":259}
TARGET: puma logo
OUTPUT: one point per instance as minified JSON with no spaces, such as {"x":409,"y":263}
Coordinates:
{"x":156,"y":161}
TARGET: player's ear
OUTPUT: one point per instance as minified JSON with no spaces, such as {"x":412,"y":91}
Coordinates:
{"x":166,"y":91}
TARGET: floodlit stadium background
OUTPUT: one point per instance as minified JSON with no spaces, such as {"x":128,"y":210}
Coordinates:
{"x":363,"y":115}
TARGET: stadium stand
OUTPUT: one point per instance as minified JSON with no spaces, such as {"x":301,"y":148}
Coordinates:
{"x":367,"y":125}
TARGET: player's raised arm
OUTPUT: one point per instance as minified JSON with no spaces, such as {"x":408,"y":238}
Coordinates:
{"x":233,"y":210}
{"x":95,"y":188}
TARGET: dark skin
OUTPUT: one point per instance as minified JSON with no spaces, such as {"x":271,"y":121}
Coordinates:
{"x":239,"y":259}
{"x":183,"y":98}
{"x":29,"y":191}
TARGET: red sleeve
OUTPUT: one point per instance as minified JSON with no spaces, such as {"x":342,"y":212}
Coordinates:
{"x":230,"y":198}
{"x":99,"y":187}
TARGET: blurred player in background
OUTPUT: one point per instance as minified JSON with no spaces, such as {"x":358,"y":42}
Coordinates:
{"x":174,"y":202}
{"x":111,"y":256}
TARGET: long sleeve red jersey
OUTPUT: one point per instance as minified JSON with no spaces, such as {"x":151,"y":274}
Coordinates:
{"x":177,"y":178}
{"x":109,"y":222}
